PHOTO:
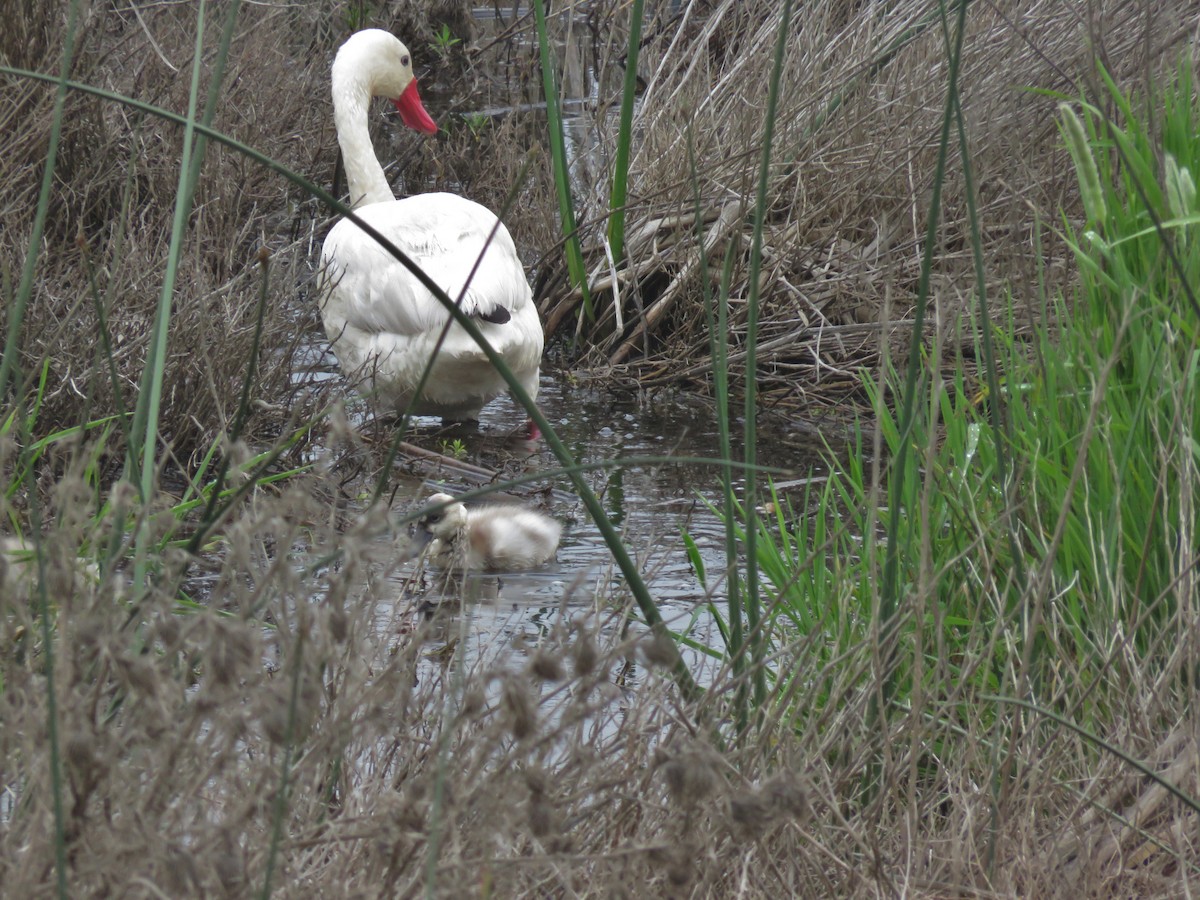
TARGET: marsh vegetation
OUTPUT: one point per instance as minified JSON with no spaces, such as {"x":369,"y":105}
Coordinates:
{"x":953,"y":245}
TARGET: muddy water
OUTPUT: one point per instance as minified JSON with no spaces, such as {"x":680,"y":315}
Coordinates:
{"x":652,"y":503}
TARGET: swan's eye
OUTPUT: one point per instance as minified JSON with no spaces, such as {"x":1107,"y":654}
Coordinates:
{"x":404,"y":61}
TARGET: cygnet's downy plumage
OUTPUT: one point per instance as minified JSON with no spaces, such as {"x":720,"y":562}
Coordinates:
{"x":501,"y":537}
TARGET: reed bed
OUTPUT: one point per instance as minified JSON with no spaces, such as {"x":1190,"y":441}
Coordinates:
{"x":855,"y":143}
{"x":964,"y":662}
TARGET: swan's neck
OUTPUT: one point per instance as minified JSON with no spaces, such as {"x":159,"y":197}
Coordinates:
{"x":351,"y":99}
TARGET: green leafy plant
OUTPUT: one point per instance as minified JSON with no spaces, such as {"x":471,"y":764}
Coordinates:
{"x":443,"y":41}
{"x":476,"y":122}
{"x":357,"y":15}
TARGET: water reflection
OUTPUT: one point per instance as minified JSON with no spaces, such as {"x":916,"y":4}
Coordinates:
{"x":652,"y":504}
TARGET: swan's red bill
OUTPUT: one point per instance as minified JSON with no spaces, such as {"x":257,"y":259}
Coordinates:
{"x":412,"y":113}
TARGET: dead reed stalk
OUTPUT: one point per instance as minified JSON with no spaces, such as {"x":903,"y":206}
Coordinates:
{"x":855,"y":142}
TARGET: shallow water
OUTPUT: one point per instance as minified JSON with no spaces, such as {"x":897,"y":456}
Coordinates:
{"x":652,"y":503}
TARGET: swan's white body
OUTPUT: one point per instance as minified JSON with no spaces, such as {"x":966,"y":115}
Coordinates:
{"x":501,"y":537}
{"x":384,"y":324}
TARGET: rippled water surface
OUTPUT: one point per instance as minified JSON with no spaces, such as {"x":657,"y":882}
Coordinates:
{"x":652,"y":502}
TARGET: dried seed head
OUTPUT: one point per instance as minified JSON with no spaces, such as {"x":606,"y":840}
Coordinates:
{"x":121,"y":496}
{"x":681,"y":869}
{"x":543,"y":665}
{"x":279,"y":715}
{"x":239,"y":458}
{"x":231,"y":868}
{"x":341,"y":432}
{"x":675,"y":775}
{"x":231,"y":651}
{"x":339,"y":624}
{"x":182,"y":878}
{"x":167,"y":628}
{"x":537,"y":781}
{"x":677,"y":862}
{"x":787,"y":797}
{"x":473,"y":702}
{"x":139,"y":674}
{"x":520,"y":707}
{"x":79,"y":754}
{"x":542,"y":817}
{"x":659,"y":650}
{"x":275,"y":720}
{"x":689,"y":776}
{"x":585,"y":654}
{"x":162,"y":525}
{"x":750,"y":812}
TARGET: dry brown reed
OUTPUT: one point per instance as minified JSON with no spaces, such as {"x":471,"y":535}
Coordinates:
{"x":111,"y":214}
{"x":849,"y":187}
{"x":559,"y":767}
{"x":856,"y":138}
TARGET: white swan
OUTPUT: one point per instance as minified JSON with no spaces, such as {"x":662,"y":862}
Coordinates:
{"x":500,"y":537}
{"x":384,"y":324}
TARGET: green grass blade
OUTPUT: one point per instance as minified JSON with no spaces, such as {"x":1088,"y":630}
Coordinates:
{"x":9,"y":369}
{"x":716,"y":311}
{"x":750,"y":435}
{"x":558,"y":157}
{"x":16,"y":316}
{"x":998,"y":418}
{"x":144,"y":433}
{"x":890,"y":593}
{"x":616,"y":205}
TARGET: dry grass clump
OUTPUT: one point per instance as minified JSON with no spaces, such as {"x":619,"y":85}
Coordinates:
{"x":856,"y":139}
{"x":307,"y":727}
{"x":310,"y":731}
{"x":272,"y":716}
{"x":109,"y":220}
{"x":855,"y":143}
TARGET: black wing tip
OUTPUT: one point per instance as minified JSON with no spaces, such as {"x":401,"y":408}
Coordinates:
{"x":497,"y":315}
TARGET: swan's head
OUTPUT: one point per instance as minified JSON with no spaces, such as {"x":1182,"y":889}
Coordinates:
{"x":376,"y":59}
{"x":442,"y":523}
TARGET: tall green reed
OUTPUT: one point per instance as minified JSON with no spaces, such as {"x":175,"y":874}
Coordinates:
{"x":902,"y":495}
{"x":762,"y":202}
{"x":620,"y":183}
{"x":144,"y":431}
{"x":745,"y":634}
{"x":1134,"y":342}
{"x":576,"y":266}
{"x":1090,"y":489}
{"x":968,"y":500}
{"x":16,"y":315}
{"x":716,"y":310}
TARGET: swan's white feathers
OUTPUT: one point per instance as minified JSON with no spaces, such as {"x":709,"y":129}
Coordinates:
{"x":383,"y":323}
{"x":444,"y":234}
